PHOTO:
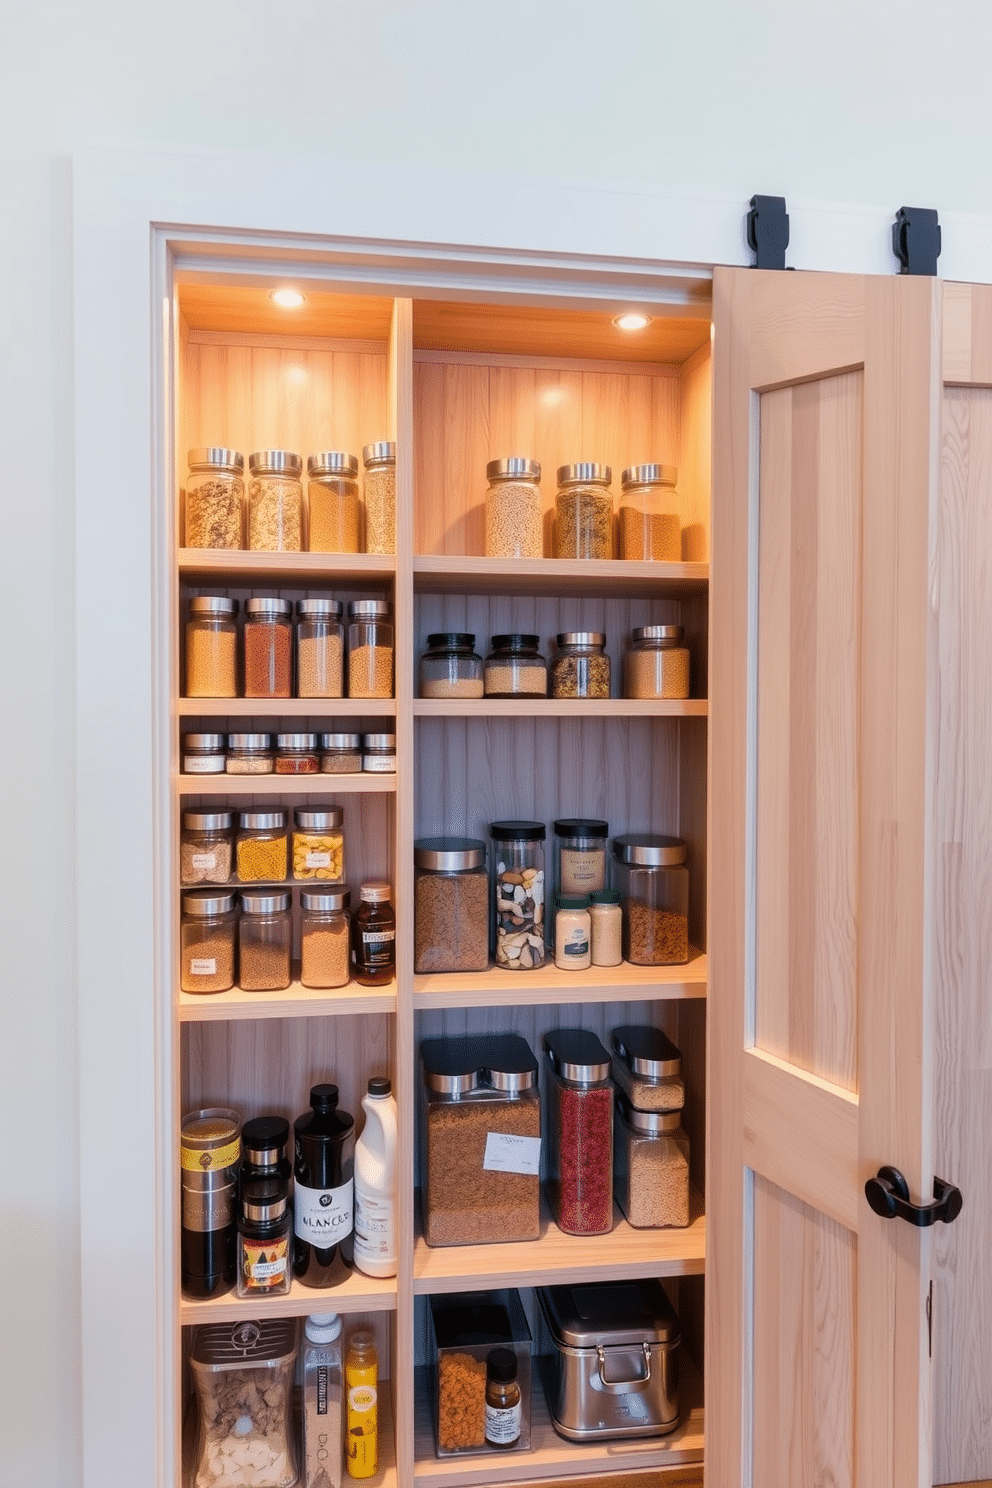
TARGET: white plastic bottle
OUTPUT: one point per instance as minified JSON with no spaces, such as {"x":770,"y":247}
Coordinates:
{"x":375,"y":1182}
{"x":323,"y":1402}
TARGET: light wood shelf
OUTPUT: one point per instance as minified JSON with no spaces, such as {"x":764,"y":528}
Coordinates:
{"x":287,"y":708}
{"x":544,"y":707}
{"x":237,"y":563}
{"x":279,"y":785}
{"x":441,"y":573}
{"x":358,"y":1294}
{"x":295,"y":1001}
{"x":548,"y":985}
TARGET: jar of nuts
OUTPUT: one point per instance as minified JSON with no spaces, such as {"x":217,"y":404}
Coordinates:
{"x":318,"y":844}
{"x":514,"y":519}
{"x":275,"y":502}
{"x":215,"y":499}
{"x":581,"y":669}
{"x":584,"y":511}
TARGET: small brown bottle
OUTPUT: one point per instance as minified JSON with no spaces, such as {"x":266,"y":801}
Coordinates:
{"x":375,"y":936}
{"x":503,"y":1409}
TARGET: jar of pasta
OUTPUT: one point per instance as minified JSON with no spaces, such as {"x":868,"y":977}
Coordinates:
{"x":650,"y":524}
{"x":584,"y":511}
{"x":211,"y":647}
{"x":380,"y":496}
{"x":275,"y":502}
{"x":262,"y":846}
{"x":332,"y":494}
{"x":318,"y":844}
{"x":215,"y":499}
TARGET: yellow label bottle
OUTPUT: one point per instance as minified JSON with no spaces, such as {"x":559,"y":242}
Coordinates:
{"x":361,"y":1378}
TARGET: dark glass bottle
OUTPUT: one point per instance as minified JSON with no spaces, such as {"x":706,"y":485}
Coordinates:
{"x":375,"y":936}
{"x":324,"y":1204}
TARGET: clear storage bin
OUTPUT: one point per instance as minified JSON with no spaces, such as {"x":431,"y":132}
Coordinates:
{"x":268,"y":642}
{"x":333,"y":506}
{"x":207,"y":937}
{"x":319,"y":648}
{"x":518,"y":890}
{"x":275,"y":502}
{"x":651,"y":1167}
{"x":211,"y":647}
{"x":450,"y":905}
{"x":515,"y":667}
{"x":215,"y":499}
{"x":451,"y":667}
{"x":650,"y":522}
{"x":265,"y":937}
{"x":243,"y":1376}
{"x":318,"y":844}
{"x":370,"y":649}
{"x":584,"y":511}
{"x":581,"y":667}
{"x":206,"y":847}
{"x":580,"y":1131}
{"x":656,"y":664}
{"x":380,"y":496}
{"x":470,"y":1334}
{"x":514,"y":516}
{"x":654,"y":890}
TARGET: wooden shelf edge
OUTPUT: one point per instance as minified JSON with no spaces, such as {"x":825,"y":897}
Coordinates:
{"x":358,"y":1294}
{"x":294,"y":707}
{"x":539,"y":707}
{"x":234,"y":561}
{"x":457,"y":573}
{"x":623,"y":983}
{"x":278,"y":785}
{"x":295,"y":1002}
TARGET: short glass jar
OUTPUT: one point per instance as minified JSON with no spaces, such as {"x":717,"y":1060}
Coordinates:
{"x":265,"y":938}
{"x":319,"y":648}
{"x":375,"y":936}
{"x":514,"y":516}
{"x":515,"y":668}
{"x":651,"y":1167}
{"x":581,"y":667}
{"x":203,"y":754}
{"x":580,"y":854}
{"x":380,"y":496}
{"x":211,"y":647}
{"x":379,"y":754}
{"x":451,"y":667}
{"x":249,"y":754}
{"x":657,"y":663}
{"x":370,"y":649}
{"x":318,"y":844}
{"x":268,"y":643}
{"x":275,"y":502}
{"x":606,"y":932}
{"x":450,"y":905}
{"x":653,"y":880}
{"x":332,"y":498}
{"x":572,"y":932}
{"x":215,"y":499}
{"x":584,"y":511}
{"x":262,"y":846}
{"x":647,"y":1067}
{"x":207,"y":934}
{"x":518,"y":890}
{"x":580,"y":1132}
{"x":325,"y":943}
{"x":650,"y":524}
{"x":341,"y":754}
{"x":297,"y":754}
{"x":206,"y":847}
{"x":264,"y":1251}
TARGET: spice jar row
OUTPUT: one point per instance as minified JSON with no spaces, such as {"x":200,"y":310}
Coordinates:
{"x":655,"y":665}
{"x":288,"y":754}
{"x":271,"y":658}
{"x":276,"y":518}
{"x":650,"y":516}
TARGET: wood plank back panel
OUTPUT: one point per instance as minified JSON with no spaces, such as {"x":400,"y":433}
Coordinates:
{"x":968,"y":334}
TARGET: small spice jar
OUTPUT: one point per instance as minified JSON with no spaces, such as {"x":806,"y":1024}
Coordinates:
{"x":654,"y":891}
{"x":203,"y":754}
{"x":207,"y":934}
{"x":268,"y":640}
{"x":503,"y":1408}
{"x":380,"y":496}
{"x":265,"y":936}
{"x":514,"y":518}
{"x":262,"y":846}
{"x":379,"y":754}
{"x":451,"y":667}
{"x":341,"y":754}
{"x":580,"y":854}
{"x":518,"y":888}
{"x":515,"y":668}
{"x":211,"y":647}
{"x":297,"y":754}
{"x":215,"y":499}
{"x":450,"y":905}
{"x":647,"y":1067}
{"x":606,"y":928}
{"x":332,"y":495}
{"x":375,"y":936}
{"x":572,"y":932}
{"x":319,"y":648}
{"x":206,"y":847}
{"x":318,"y":844}
{"x":650,"y":524}
{"x":651,"y":1166}
{"x":275,"y":502}
{"x":657,"y":663}
{"x":249,"y":754}
{"x":325,"y":947}
{"x":264,"y":1230}
{"x":584,"y":511}
{"x":581,"y":668}
{"x":580,"y":1132}
{"x":370,"y":649}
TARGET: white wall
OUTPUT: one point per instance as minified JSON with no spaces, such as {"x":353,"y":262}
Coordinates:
{"x":850,"y":101}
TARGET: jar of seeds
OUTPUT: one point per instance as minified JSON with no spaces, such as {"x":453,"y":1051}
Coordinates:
{"x":650,"y":1166}
{"x":203,"y":754}
{"x":325,"y":946}
{"x":650,"y":524}
{"x":515,"y":668}
{"x":379,"y":754}
{"x":207,"y":935}
{"x":211,"y":647}
{"x":264,"y":941}
{"x":370,"y":649}
{"x":275,"y":502}
{"x":514,"y":518}
{"x":653,"y":881}
{"x":249,"y":754}
{"x":319,"y":648}
{"x":341,"y":754}
{"x":332,"y":495}
{"x":581,"y":669}
{"x":215,"y":499}
{"x":584,"y":511}
{"x":657,"y":663}
{"x":262,"y":847}
{"x":647,"y":1067}
{"x":268,"y":642}
{"x":518,"y":886}
{"x":450,"y":905}
{"x":380,"y":496}
{"x":451,"y":667}
{"x":206,"y":847}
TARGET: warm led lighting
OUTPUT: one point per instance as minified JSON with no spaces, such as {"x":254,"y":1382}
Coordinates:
{"x":289,"y":299}
{"x":631,"y":322}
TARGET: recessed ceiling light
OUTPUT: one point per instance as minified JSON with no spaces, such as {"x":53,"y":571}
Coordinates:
{"x":289,"y":299}
{"x":632,"y":321}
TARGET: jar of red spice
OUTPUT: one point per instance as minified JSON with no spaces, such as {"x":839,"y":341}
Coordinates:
{"x":297,"y":754}
{"x":580,"y":1132}
{"x":268,"y":648}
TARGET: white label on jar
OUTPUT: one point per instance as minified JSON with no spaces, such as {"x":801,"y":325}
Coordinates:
{"x":205,"y":862}
{"x":383,"y":764}
{"x":266,"y":1270}
{"x":511,"y":1154}
{"x":377,"y":937}
{"x":203,"y":966}
{"x":203,"y":764}
{"x":503,"y":1422}
{"x":576,"y":944}
{"x":318,"y":860}
{"x":323,"y":1216}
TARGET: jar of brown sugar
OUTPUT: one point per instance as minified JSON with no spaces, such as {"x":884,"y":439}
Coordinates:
{"x":215,"y":499}
{"x":264,"y":942}
{"x":207,"y":938}
{"x":653,"y":880}
{"x":657,"y":663}
{"x":275,"y":502}
{"x":268,"y":648}
{"x":297,"y":754}
{"x":332,"y":495}
{"x":650,"y":524}
{"x":211,"y":647}
{"x":319,"y":648}
{"x":584,"y":511}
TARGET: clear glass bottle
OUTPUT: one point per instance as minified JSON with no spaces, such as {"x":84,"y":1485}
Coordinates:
{"x":572,"y":932}
{"x":581,"y":667}
{"x":262,"y":846}
{"x":215,"y":499}
{"x":656,"y":664}
{"x":341,"y":754}
{"x":370,"y":649}
{"x":207,"y":937}
{"x":319,"y":648}
{"x":318,"y":844}
{"x":584,"y":511}
{"x":450,"y":904}
{"x":325,"y":937}
{"x":332,"y":495}
{"x":375,"y":936}
{"x":651,"y":1159}
{"x":380,"y":496}
{"x":206,"y":847}
{"x":518,"y":888}
{"x":379,"y":754}
{"x":268,"y":644}
{"x":211,"y":647}
{"x":580,"y":1132}
{"x":297,"y":754}
{"x":264,"y":1239}
{"x":514,"y":516}
{"x":265,"y":939}
{"x":249,"y":754}
{"x":275,"y":502}
{"x":515,"y":667}
{"x":650,"y":521}
{"x":580,"y":854}
{"x":451,"y":667}
{"x":653,"y":881}
{"x":323,"y":1401}
{"x":203,"y":754}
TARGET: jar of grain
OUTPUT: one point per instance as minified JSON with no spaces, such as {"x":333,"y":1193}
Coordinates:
{"x":580,"y":1132}
{"x":342,"y":754}
{"x":651,"y":1167}
{"x":514,"y":518}
{"x":572,"y":932}
{"x":275,"y":502}
{"x":650,"y":522}
{"x":325,"y":950}
{"x":206,"y":847}
{"x":265,"y":937}
{"x":584,"y":511}
{"x":207,"y":935}
{"x":332,"y":494}
{"x":296,"y":754}
{"x":249,"y":754}
{"x":262,"y":847}
{"x":203,"y":754}
{"x":319,"y":648}
{"x":654,"y":891}
{"x":657,"y":663}
{"x":580,"y":854}
{"x":215,"y":499}
{"x":518,"y":889}
{"x":450,"y":905}
{"x":370,"y":649}
{"x":318,"y":844}
{"x":379,"y":754}
{"x":268,"y":648}
{"x":606,"y":928}
{"x":581,"y":668}
{"x":515,"y":668}
{"x":451,"y":667}
{"x":211,"y":647}
{"x":647,"y":1067}
{"x":380,"y":496}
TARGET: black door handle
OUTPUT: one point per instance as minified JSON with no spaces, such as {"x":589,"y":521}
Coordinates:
{"x":888,"y":1195}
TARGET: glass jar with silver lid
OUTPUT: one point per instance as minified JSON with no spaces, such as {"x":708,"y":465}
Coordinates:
{"x":318,"y":844}
{"x":264,"y":941}
{"x":657,"y":663}
{"x":325,"y":937}
{"x":584,"y":511}
{"x":249,"y":754}
{"x":297,"y":754}
{"x":650,"y":520}
{"x":207,"y":940}
{"x":319,"y":648}
{"x":650,"y":1166}
{"x":514,"y":515}
{"x":333,"y":514}
{"x":370,"y":648}
{"x":211,"y":647}
{"x":379,"y":754}
{"x":262,"y":846}
{"x":380,"y":496}
{"x":653,"y":880}
{"x":581,"y":667}
{"x":341,"y":754}
{"x":203,"y":754}
{"x":206,"y":847}
{"x":215,"y":499}
{"x":275,"y":502}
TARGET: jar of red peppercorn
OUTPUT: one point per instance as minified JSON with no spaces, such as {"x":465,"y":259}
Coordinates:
{"x":580,"y":1132}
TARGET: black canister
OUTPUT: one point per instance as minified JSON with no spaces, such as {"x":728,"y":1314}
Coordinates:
{"x":209,"y":1155}
{"x":323,"y":1217}
{"x":264,"y":1141}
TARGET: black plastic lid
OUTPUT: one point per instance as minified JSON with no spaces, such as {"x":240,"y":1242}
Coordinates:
{"x":463,"y":640}
{"x":265,"y":1133}
{"x":323,"y":1097}
{"x":577,"y":1055}
{"x":515,"y":831}
{"x":649,"y":1052}
{"x":581,"y":826}
{"x":497,"y":1053}
{"x":501,"y":1365}
{"x":461,"y":1323}
{"x":324,"y":1121}
{"x":380,"y":1085}
{"x":515,"y":642}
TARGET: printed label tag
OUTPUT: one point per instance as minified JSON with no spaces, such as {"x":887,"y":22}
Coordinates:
{"x":203,"y":966}
{"x":204,"y":862}
{"x":318,"y":860}
{"x":511,"y":1154}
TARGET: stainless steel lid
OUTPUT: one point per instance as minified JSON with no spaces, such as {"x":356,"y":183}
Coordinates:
{"x":609,"y":1314}
{"x":455,"y":1066}
{"x":348,"y":742}
{"x":577,"y":1056}
{"x":379,"y":741}
{"x":319,"y":821}
{"x":449,"y":854}
{"x":249,"y":743}
{"x":296,"y":741}
{"x":643,"y":475}
{"x":205,"y":903}
{"x":319,"y":609}
{"x":208,"y":821}
{"x":275,"y":462}
{"x":649,"y":849}
{"x":649,"y":1123}
{"x":325,"y":901}
{"x":213,"y":604}
{"x":266,"y":607}
{"x":264,"y":1199}
{"x":581,"y":826}
{"x":647,"y":1051}
{"x":657,"y":633}
{"x":514,"y":465}
{"x":261,"y":821}
{"x":585,"y":470}
{"x":581,"y":638}
{"x":215,"y":458}
{"x":264,"y":904}
{"x":233,"y":1345}
{"x":204,"y":743}
{"x":333,"y":462}
{"x":379,"y":453}
{"x":369,"y":609}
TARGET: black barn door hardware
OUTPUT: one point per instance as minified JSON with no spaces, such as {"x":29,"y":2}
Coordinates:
{"x":916,"y":240}
{"x":768,"y":231}
{"x":888,"y":1195}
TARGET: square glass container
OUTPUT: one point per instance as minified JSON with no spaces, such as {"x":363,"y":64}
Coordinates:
{"x":462,"y":1329}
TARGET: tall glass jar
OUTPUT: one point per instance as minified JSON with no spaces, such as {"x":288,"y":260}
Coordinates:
{"x":451,"y":667}
{"x":275,"y":502}
{"x":654,"y":891}
{"x":215,"y":499}
{"x":268,"y":642}
{"x":514,"y":517}
{"x":584,"y":511}
{"x":207,"y":935}
{"x":332,"y":495}
{"x":650,"y":524}
{"x":450,"y":904}
{"x":325,"y":946}
{"x":580,"y":854}
{"x":375,"y":936}
{"x":212,"y":647}
{"x":580,"y":1132}
{"x":319,"y":648}
{"x":515,"y":668}
{"x":206,"y":847}
{"x":657,"y":663}
{"x":380,"y":496}
{"x":651,"y":1180}
{"x":581,"y":668}
{"x":262,"y":846}
{"x":370,"y":649}
{"x":265,"y":937}
{"x":518,"y":887}
{"x":318,"y":844}
{"x":249,"y":754}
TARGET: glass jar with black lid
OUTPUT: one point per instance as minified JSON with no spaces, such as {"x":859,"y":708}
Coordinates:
{"x":518,"y":890}
{"x":264,"y":1148}
{"x":264,"y":1239}
{"x":451,"y":667}
{"x":515,"y":667}
{"x":579,"y":1131}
